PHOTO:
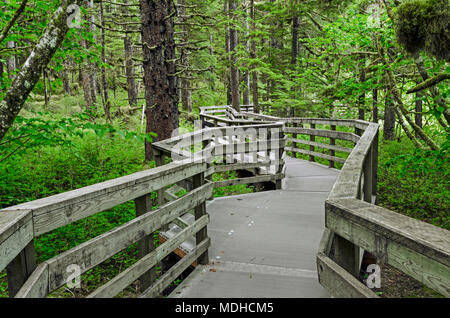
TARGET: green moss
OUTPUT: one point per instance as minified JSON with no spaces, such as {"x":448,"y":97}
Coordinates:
{"x":423,"y":25}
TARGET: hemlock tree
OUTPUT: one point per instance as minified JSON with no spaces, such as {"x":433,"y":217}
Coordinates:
{"x":160,"y":80}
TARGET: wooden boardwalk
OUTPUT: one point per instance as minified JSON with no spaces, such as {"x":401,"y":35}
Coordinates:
{"x":265,"y":244}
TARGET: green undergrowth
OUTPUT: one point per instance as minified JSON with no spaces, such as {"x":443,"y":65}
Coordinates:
{"x":415,"y":183}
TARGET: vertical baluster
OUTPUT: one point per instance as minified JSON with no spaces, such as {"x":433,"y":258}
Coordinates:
{"x":312,"y":138}
{"x":332,"y":152}
{"x":20,"y":268}
{"x":199,"y":180}
{"x":147,"y":244}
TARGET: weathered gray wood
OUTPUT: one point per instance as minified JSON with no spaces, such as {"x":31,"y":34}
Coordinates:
{"x":367,"y":170}
{"x":326,"y":242}
{"x":339,"y":282}
{"x":419,"y":249}
{"x":16,"y":232}
{"x":100,"y":248}
{"x":245,"y":147}
{"x":62,"y":209}
{"x":199,"y":212}
{"x":176,"y":270}
{"x":346,"y":255}
{"x":323,"y":133}
{"x":145,"y":245}
{"x":320,"y":145}
{"x":20,"y":268}
{"x":315,"y":154}
{"x":36,"y":285}
{"x":125,"y":278}
{"x":312,"y":138}
{"x":349,"y":179}
{"x":332,"y":148}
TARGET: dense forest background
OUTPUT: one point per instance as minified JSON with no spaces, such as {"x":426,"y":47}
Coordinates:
{"x":83,"y":97}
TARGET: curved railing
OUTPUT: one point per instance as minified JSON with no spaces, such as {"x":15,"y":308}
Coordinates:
{"x":353,"y":221}
{"x":239,"y":141}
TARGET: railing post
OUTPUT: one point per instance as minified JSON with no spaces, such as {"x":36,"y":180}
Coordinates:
{"x":346,"y":254}
{"x":278,"y":182}
{"x":294,"y":144}
{"x":146,"y":245}
{"x":367,"y":169}
{"x":198,"y":181}
{"x":332,"y":152}
{"x":375,"y":166}
{"x":312,"y":138}
{"x":20,"y":268}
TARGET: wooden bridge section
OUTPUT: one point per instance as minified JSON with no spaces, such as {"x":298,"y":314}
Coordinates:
{"x":303,"y":239}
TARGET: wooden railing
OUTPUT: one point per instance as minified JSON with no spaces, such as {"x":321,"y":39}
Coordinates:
{"x":353,"y":222}
{"x":258,"y":148}
{"x":258,"y":145}
{"x":255,"y":148}
{"x":20,"y":224}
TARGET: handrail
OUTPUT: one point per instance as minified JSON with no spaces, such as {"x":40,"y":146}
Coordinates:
{"x":352,"y":220}
{"x":20,"y":224}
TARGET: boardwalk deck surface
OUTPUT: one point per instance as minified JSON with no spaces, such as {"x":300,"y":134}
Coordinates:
{"x":264,"y":244}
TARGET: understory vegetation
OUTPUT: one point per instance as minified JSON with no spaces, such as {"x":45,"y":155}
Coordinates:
{"x":89,"y":109}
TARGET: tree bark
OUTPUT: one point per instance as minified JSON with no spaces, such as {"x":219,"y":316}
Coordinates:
{"x":106,"y":103}
{"x":235,"y":95}
{"x":30,"y":72}
{"x":389,"y":119}
{"x":160,"y":82}
{"x":129,"y":67}
{"x":253,"y":56}
{"x":186,"y":94}
{"x":246,"y":75}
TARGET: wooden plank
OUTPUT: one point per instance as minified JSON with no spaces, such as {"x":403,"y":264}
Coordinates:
{"x":199,"y":212}
{"x":143,"y":205}
{"x":315,"y":154}
{"x":418,"y":249}
{"x":249,"y":180}
{"x":321,"y":145}
{"x":37,"y":284}
{"x":244,"y":147}
{"x":339,"y":282}
{"x":349,"y":179}
{"x":16,"y":233}
{"x":125,"y":278}
{"x":176,"y":270}
{"x":62,"y":209}
{"x":326,"y":241}
{"x":20,"y":268}
{"x":323,"y":133}
{"x":100,"y":248}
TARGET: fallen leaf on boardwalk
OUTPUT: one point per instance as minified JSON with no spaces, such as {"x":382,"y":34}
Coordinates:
{"x":212,"y":270}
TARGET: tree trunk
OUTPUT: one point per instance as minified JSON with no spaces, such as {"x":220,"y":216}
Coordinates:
{"x":362,"y":97}
{"x":160,"y":82}
{"x":389,"y":119}
{"x":433,"y":89}
{"x":294,"y":54}
{"x":246,"y":75}
{"x":129,"y":67}
{"x":186,"y":94}
{"x":235,"y":95}
{"x":106,"y":103}
{"x":253,"y":56}
{"x":11,"y":63}
{"x":28,"y":76}
{"x":227,"y":51}
{"x":418,"y":109}
{"x":375,"y":106}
